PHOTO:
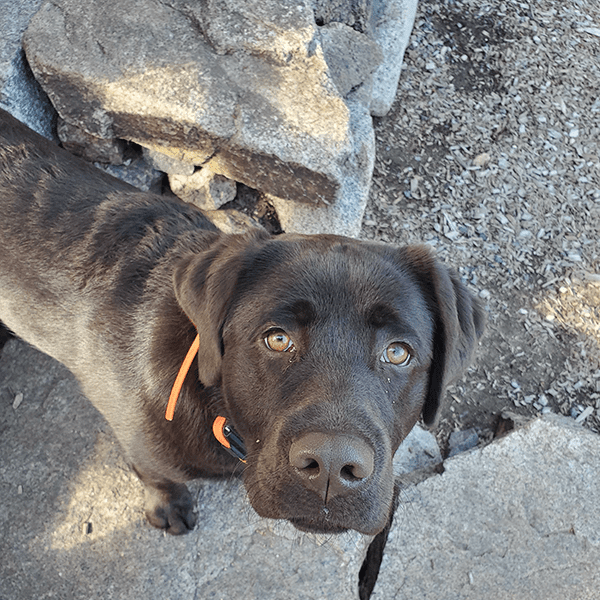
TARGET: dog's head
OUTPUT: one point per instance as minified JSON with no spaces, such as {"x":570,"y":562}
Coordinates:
{"x":327,"y":351}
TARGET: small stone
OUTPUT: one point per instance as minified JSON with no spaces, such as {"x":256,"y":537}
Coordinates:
{"x":17,"y":401}
{"x":481,"y":159}
{"x":461,"y":441}
{"x":89,"y":147}
{"x":585,"y":414}
{"x":167,"y":164}
{"x":205,"y":189}
{"x":135,"y":172}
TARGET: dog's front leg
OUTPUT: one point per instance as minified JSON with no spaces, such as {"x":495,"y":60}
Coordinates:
{"x":168,"y":505}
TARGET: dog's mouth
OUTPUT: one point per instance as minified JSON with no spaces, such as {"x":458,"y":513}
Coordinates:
{"x":323,"y":526}
{"x":314,"y":526}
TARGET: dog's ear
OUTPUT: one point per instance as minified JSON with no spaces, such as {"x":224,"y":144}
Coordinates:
{"x":459,"y":322}
{"x":205,"y":286}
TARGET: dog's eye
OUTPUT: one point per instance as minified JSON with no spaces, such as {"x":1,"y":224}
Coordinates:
{"x":396,"y":354}
{"x":279,"y":341}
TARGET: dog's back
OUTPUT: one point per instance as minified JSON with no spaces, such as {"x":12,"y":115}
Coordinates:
{"x":69,"y":231}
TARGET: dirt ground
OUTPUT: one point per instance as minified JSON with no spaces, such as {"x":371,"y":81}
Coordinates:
{"x":491,"y":154}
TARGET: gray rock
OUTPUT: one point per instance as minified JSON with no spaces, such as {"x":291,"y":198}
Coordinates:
{"x":205,"y":189}
{"x":393,"y":23}
{"x":343,"y":217}
{"x":461,"y":441}
{"x":167,"y":164}
{"x":136,"y":172}
{"x":232,"y":221}
{"x":418,"y":451}
{"x":20,"y":94}
{"x":351,"y":57}
{"x":516,"y":519}
{"x":242,"y":89}
{"x":89,"y":147}
{"x":72,"y":513}
{"x":353,"y":13}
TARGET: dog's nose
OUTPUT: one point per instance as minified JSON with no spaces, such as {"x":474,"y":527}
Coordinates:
{"x":331,"y":465}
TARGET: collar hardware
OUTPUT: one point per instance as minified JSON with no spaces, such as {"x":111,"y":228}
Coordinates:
{"x":228,"y":437}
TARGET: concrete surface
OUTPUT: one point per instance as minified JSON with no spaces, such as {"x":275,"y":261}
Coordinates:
{"x":516,"y":520}
{"x":72,"y":523}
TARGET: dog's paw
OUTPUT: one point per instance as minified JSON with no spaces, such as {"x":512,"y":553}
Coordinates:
{"x":170,"y":508}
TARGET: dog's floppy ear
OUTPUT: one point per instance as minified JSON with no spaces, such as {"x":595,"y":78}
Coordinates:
{"x":204,"y":287}
{"x":458,"y":323}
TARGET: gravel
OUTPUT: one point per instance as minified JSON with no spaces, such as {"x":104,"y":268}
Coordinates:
{"x":491,"y":154}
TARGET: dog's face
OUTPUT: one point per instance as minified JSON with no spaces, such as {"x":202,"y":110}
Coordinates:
{"x":327,"y":351}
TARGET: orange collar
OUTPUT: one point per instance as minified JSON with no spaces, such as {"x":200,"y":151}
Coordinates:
{"x":183,"y":371}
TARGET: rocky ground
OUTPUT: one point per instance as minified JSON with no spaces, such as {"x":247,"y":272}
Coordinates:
{"x":491,"y":154}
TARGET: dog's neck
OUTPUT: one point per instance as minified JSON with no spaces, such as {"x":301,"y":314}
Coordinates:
{"x":224,"y":433}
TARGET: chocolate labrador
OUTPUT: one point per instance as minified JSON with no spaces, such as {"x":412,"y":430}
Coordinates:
{"x":309,"y":358}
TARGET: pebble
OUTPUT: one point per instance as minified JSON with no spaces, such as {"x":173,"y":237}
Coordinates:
{"x":585,"y":414}
{"x":460,"y":441}
{"x":17,"y":401}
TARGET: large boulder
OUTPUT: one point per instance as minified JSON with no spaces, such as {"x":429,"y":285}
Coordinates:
{"x":240,"y":87}
{"x":515,"y":519}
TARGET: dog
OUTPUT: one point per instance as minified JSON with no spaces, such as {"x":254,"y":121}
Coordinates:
{"x":309,"y":358}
